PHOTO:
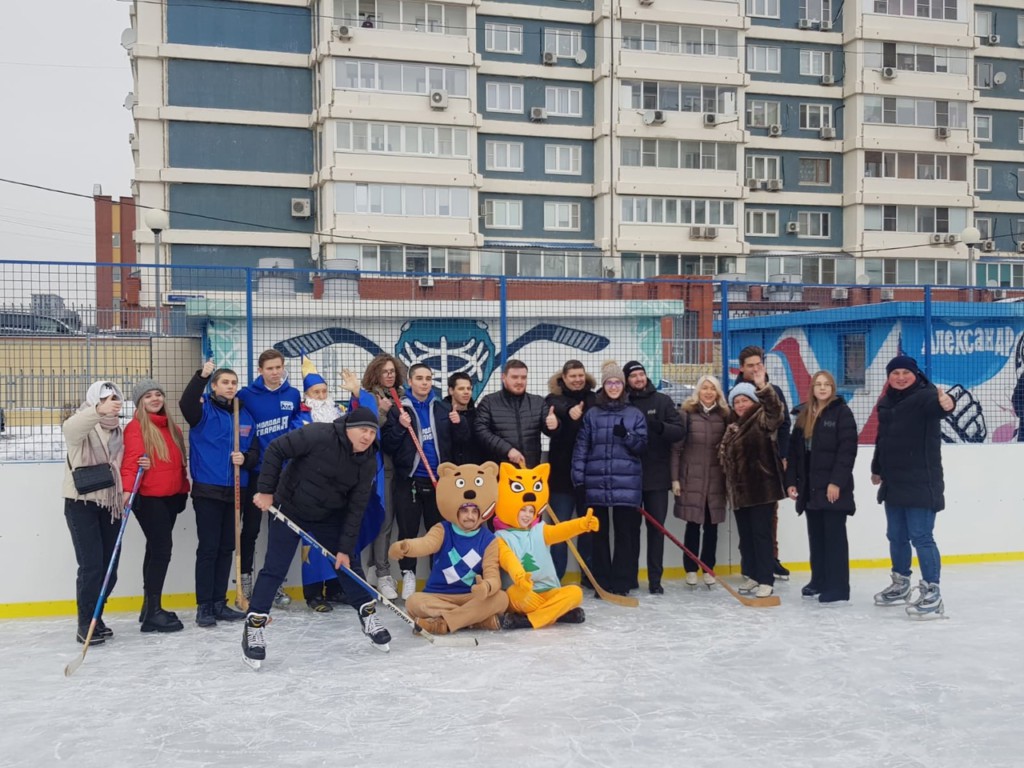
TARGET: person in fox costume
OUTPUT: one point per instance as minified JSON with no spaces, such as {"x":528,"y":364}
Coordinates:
{"x":464,"y":585}
{"x":536,"y":597}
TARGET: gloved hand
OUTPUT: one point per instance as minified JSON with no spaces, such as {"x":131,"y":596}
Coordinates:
{"x":591,"y":522}
{"x":399,"y":549}
{"x":619,"y":430}
{"x":655,"y":425}
{"x":523,"y":597}
{"x":481,"y":589}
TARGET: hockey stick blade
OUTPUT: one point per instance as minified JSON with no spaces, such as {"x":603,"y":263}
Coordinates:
{"x":306,"y":343}
{"x":584,"y":341}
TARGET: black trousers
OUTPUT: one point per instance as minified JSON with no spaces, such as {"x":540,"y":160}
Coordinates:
{"x":656,"y":504}
{"x":281,"y":545}
{"x":615,"y":568}
{"x":215,"y":528}
{"x":830,"y":553}
{"x":156,"y":516}
{"x":93,"y":536}
{"x":707,"y":550}
{"x":757,"y":557}
{"x":252,"y":519}
{"x":415,"y":501}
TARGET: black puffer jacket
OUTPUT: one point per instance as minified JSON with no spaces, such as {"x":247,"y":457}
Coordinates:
{"x":908,"y":449}
{"x":323,"y":479}
{"x":505,"y":421}
{"x":664,"y":427}
{"x":563,"y":439}
{"x":830,"y":460}
{"x":466,"y":450}
{"x":395,"y":440}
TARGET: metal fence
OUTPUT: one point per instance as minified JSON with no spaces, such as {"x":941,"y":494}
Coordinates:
{"x":65,"y":325}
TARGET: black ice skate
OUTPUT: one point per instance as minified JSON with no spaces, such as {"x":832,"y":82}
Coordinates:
{"x":372,"y":627}
{"x":254,"y":647}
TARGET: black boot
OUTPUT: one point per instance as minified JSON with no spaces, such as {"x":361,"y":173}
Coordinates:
{"x":205,"y":616}
{"x":102,"y":630}
{"x":156,"y":619}
{"x":573,"y":616}
{"x":515,"y":621}
{"x":225,"y":613}
{"x":142,"y":613}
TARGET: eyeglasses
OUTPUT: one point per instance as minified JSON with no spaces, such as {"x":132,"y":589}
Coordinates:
{"x":613,"y":383}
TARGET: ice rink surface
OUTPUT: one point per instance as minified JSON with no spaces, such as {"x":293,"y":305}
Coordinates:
{"x":691,"y":678}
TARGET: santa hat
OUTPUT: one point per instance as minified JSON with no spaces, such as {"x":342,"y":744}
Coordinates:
{"x":310,"y":378}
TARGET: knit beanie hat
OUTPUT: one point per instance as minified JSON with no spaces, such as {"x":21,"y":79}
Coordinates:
{"x":360,"y":417}
{"x":744,"y":388}
{"x":310,"y":377}
{"x":906,"y":362}
{"x":632,"y":366}
{"x":146,"y":385}
{"x":610,"y":370}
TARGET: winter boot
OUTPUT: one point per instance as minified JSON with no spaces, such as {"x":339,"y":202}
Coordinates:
{"x":372,"y":627}
{"x":896,"y":593}
{"x":781,"y":571}
{"x":513,"y":620}
{"x":574,"y":616}
{"x":156,"y":619}
{"x":655,"y":588}
{"x":254,"y":647}
{"x":142,"y":613}
{"x":435,"y":626}
{"x":928,"y":604}
{"x":205,"y":616}
{"x":102,"y":630}
{"x":491,"y":623}
{"x":223,"y":612}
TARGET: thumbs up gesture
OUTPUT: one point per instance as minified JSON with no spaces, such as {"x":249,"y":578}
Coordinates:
{"x":590,"y":522}
{"x":945,"y":400}
{"x":551,"y":422}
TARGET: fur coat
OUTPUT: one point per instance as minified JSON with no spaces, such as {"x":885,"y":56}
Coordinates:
{"x":750,"y":456}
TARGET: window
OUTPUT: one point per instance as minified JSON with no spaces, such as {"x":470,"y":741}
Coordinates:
{"x":677,"y":210}
{"x":908,"y":165}
{"x":387,"y":258}
{"x":563,"y":102}
{"x":909,"y":218}
{"x":562,"y":159}
{"x":1020,"y":181}
{"x":401,"y":200}
{"x":982,"y":178}
{"x":402,"y":139}
{"x":761,"y":223}
{"x":678,"y":97}
{"x":763,"y":8}
{"x":562,"y":216}
{"x":115,"y":242}
{"x":408,"y":15}
{"x":674,"y":153}
{"x":983,"y":127}
{"x":815,"y":116}
{"x":913,"y":57}
{"x":854,"y":355}
{"x":904,"y":110}
{"x":936,"y":9}
{"x":763,"y":58}
{"x":983,"y":71}
{"x":503,"y":214}
{"x":983,"y":23}
{"x":504,"y":156}
{"x":504,"y":97}
{"x":564,"y":43}
{"x":1020,"y":130}
{"x":815,"y":63}
{"x":763,"y":167}
{"x":399,"y":77}
{"x":761,"y":113}
{"x":816,"y":10}
{"x":679,"y":39}
{"x":813,"y":223}
{"x":984,"y":225}
{"x":815,"y":170}
{"x":503,"y":38}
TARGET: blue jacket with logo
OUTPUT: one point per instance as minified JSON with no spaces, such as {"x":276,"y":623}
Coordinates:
{"x":271,"y":410}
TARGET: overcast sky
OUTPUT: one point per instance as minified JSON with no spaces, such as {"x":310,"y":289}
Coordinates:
{"x":63,"y":80}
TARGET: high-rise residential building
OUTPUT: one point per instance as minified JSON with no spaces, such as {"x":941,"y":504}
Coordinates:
{"x":823,"y":141}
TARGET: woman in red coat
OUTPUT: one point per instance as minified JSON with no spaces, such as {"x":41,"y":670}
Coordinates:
{"x":161,"y":497}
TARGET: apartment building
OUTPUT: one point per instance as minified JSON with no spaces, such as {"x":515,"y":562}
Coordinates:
{"x":823,"y":141}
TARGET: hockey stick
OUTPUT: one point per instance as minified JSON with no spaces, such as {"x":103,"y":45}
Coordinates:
{"x":317,"y":340}
{"x":415,"y":441}
{"x":450,"y":640}
{"x":751,"y":602}
{"x":240,"y":599}
{"x":69,"y":669}
{"x":624,"y":600}
{"x":584,"y":341}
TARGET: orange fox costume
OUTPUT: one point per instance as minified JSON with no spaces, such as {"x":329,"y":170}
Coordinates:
{"x":523,"y":549}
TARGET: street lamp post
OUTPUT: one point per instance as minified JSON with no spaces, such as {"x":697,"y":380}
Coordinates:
{"x":971,"y":237}
{"x":157,"y":221}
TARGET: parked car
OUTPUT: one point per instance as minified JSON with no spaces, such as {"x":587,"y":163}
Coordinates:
{"x":678,"y":392}
{"x":32,"y":324}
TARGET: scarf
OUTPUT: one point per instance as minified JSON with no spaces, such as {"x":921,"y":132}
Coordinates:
{"x":322,"y":411}
{"x":96,"y":450}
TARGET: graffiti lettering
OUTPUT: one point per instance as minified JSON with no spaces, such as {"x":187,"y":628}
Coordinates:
{"x":998,"y":341}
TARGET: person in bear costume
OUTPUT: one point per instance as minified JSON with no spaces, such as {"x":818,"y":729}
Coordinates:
{"x":464,"y":585}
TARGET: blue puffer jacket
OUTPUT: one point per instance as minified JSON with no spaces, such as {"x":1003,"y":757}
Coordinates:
{"x":606,"y":465}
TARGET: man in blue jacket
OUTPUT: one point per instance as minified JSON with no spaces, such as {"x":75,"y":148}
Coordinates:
{"x":273,"y":402}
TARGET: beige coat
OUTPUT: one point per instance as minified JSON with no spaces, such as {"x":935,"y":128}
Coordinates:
{"x":79,"y":428}
{"x":695,"y":465}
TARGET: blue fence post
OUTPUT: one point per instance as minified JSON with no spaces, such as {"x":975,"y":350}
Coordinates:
{"x":248,"y":324}
{"x":723,"y":326}
{"x":503,"y":319}
{"x":928,"y":331}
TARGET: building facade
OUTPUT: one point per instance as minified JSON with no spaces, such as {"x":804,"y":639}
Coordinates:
{"x":823,"y":141}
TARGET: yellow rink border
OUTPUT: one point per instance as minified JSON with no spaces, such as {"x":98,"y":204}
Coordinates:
{"x":187,"y":600}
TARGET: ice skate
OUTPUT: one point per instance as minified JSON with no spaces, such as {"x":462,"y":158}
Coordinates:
{"x":709,"y":580}
{"x":282,"y":598}
{"x":763,"y":590}
{"x":372,"y":627}
{"x":746,"y":586}
{"x":691,"y":578}
{"x":780,"y":571}
{"x":254,"y":647}
{"x":928,"y":603}
{"x":896,"y":593}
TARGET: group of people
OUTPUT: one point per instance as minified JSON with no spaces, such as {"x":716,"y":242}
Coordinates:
{"x":618,"y":447}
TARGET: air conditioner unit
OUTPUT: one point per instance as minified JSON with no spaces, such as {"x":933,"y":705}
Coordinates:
{"x":792,"y":227}
{"x":774,"y":130}
{"x":936,"y":238}
{"x":988,"y":245}
{"x":887,"y":294}
{"x":991,"y":40}
{"x":942,"y":132}
{"x":654,"y":117}
{"x":999,"y":293}
{"x":825,"y":25}
{"x":804,"y":24}
{"x":302,"y":208}
{"x":549,"y":58}
{"x":1020,"y":247}
{"x":840,"y":294}
{"x":827,"y":132}
{"x":828,"y":80}
{"x":710,"y":119}
{"x":425,"y":282}
{"x":438,"y":99}
{"x":342,"y":31}
{"x":696,"y":233}
{"x":754,"y":183}
{"x":710,"y":233}
{"x":538,"y":113}
{"x":774,"y":185}
{"x":888,"y":73}
{"x":951,"y":239}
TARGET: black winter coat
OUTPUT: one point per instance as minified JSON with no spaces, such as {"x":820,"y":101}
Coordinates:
{"x":782,"y":434}
{"x":323,"y":479}
{"x":908,"y":449}
{"x":608,"y":465}
{"x":466,"y":451}
{"x":830,"y":460}
{"x":505,"y":421}
{"x":397,"y":444}
{"x":664,"y":427}
{"x":563,"y":439}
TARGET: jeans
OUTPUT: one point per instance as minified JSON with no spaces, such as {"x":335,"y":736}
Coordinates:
{"x":379,"y":548}
{"x":252,"y":519}
{"x":215,"y":528}
{"x":414,"y":501}
{"x":156,"y":516}
{"x":692,"y":540}
{"x":93,"y":535}
{"x":906,"y":526}
{"x":656,"y":504}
